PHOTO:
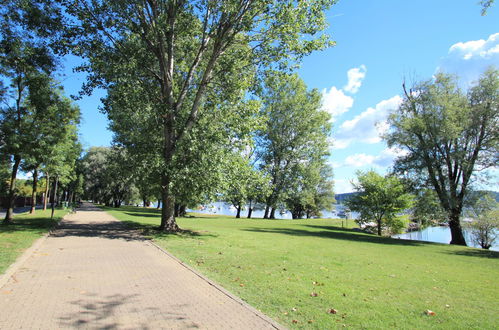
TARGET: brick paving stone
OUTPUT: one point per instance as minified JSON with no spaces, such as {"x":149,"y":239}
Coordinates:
{"x":94,"y":273}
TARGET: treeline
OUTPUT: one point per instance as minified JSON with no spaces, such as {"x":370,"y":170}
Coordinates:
{"x":272,"y":155}
{"x":38,"y":124}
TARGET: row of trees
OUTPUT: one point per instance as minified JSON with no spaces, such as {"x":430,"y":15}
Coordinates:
{"x":273,"y":155}
{"x":38,"y":124}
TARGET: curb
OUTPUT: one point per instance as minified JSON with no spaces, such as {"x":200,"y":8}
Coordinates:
{"x":14,"y":267}
{"x":259,"y":314}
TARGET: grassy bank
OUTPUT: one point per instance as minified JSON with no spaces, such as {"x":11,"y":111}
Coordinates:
{"x":16,"y":238}
{"x":299,"y":271}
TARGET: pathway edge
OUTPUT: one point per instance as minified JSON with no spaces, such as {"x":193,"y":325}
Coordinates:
{"x":16,"y":265}
{"x":217,"y":286}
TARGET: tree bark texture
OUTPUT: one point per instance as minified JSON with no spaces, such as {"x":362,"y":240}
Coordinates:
{"x":168,"y":222}
{"x":12,"y":191}
{"x":33,"y":194}
{"x":47,"y":185}
{"x":456,"y":229}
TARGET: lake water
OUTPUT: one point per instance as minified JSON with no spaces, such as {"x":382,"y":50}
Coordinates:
{"x":226,"y":209}
{"x":439,"y":235}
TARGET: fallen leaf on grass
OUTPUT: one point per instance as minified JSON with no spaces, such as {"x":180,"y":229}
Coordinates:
{"x":429,"y":312}
{"x":314,"y":294}
{"x":294,"y":309}
{"x":295,"y":321}
{"x":310,"y":321}
{"x":241,"y":284}
{"x":332,"y":311}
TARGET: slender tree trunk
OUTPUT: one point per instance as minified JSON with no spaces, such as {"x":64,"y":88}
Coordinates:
{"x":379,"y":227}
{"x":456,"y":231}
{"x":168,"y":222}
{"x":47,"y":190}
{"x":144,"y":202}
{"x":54,"y":197}
{"x":33,"y":194}
{"x":46,"y":197}
{"x":272,"y":213}
{"x":159,"y":203}
{"x":12,"y":191}
{"x":266,"y":214}
{"x":238,"y":208}
{"x":250,"y":209}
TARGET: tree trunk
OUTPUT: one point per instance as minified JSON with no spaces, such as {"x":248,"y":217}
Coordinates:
{"x":144,"y":202}
{"x":250,"y":210}
{"x":12,"y":191}
{"x":456,"y":231}
{"x":168,"y":223}
{"x":266,"y":214}
{"x":54,"y":197}
{"x":238,"y":214}
{"x":33,"y":194}
{"x":159,"y":203}
{"x":46,"y":197}
{"x":379,"y":226}
{"x":272,"y":214}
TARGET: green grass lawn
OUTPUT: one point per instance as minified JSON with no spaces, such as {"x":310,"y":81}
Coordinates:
{"x":297,"y":270}
{"x":16,"y":238}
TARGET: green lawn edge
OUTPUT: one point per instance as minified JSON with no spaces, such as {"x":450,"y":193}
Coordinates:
{"x":27,"y":228}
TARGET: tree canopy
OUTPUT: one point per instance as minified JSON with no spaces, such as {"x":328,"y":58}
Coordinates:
{"x":448,"y":136}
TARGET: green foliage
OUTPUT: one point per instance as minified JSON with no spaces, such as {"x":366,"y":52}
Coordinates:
{"x":427,"y":210}
{"x":448,"y":136}
{"x":184,"y":67}
{"x":293,"y":146}
{"x":379,"y":200}
{"x":485,"y":228}
{"x":108,"y":176}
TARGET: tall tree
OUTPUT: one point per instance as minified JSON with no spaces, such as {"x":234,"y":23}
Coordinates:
{"x":181,"y":48}
{"x":448,"y":136}
{"x":295,"y":137}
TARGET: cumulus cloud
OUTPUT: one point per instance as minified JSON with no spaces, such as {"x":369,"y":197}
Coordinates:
{"x":469,"y":59}
{"x":381,"y":160}
{"x":336,"y":102}
{"x":355,"y":78}
{"x":368,"y":126}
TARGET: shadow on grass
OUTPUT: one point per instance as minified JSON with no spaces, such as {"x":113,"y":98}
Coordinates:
{"x":152,"y":231}
{"x":475,"y":253}
{"x":143,"y":215}
{"x":336,"y":233}
{"x":41,"y":224}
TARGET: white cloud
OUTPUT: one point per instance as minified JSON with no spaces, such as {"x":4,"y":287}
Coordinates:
{"x":382,"y":160}
{"x":336,"y":102}
{"x":342,"y":186}
{"x":355,"y":78}
{"x":368,"y":126}
{"x":476,"y":48}
{"x":359,"y":160}
{"x":471,"y":58}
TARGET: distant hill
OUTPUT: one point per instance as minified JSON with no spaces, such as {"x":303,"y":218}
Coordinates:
{"x":340,"y":198}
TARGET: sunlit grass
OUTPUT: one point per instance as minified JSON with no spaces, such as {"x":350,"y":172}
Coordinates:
{"x":296,"y":271}
{"x":17,"y":237}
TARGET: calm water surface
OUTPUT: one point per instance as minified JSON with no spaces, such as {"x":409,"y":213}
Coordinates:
{"x":439,"y":235}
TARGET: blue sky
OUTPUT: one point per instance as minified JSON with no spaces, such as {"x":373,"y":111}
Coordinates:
{"x":379,"y":43}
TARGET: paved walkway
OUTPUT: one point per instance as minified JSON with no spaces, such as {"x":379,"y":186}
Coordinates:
{"x":92,"y":272}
